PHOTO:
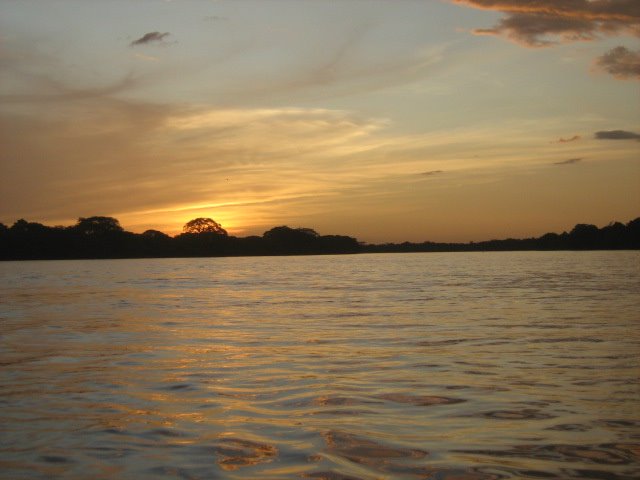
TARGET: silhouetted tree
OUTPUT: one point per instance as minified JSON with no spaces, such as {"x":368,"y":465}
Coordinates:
{"x":285,"y":233}
{"x":339,"y":244}
{"x":4,"y":239}
{"x":633,"y":233}
{"x":551,"y":241}
{"x":102,"y":237}
{"x":205,"y":244}
{"x":33,"y":240}
{"x":291,"y":240}
{"x":153,"y":243}
{"x":97,"y":225}
{"x":204,"y":225}
{"x":252,"y":245}
{"x":584,"y":236}
{"x":310,"y":232}
{"x":306,"y":240}
{"x":613,"y":235}
{"x":154,"y":234}
{"x":23,"y":227}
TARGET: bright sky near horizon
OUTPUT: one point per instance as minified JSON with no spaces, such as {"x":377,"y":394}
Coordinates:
{"x":442,"y":120}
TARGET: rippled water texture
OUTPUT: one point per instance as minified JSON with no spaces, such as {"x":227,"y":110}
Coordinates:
{"x":409,"y":366}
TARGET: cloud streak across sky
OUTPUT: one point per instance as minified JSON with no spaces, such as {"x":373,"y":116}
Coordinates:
{"x":569,"y":161}
{"x":616,"y":135}
{"x":574,"y":138}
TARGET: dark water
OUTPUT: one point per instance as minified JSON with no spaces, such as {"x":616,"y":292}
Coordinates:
{"x":412,"y":366}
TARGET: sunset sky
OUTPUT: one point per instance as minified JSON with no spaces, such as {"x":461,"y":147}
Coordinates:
{"x":388,"y":120}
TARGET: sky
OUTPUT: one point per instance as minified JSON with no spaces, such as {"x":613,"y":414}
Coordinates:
{"x":390,"y":121}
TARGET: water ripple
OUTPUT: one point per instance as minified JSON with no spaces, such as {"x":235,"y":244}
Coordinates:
{"x":426,"y":366}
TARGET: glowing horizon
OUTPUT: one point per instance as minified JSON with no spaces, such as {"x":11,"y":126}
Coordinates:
{"x":459,"y":120}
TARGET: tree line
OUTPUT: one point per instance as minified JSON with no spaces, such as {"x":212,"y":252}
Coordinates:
{"x":103,"y":237}
{"x":614,"y":236}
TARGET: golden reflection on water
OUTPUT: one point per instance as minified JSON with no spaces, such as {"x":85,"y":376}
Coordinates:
{"x":362,"y":367}
{"x":234,"y":453}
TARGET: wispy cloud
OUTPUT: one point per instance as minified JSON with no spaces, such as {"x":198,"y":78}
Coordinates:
{"x":150,"y":37}
{"x":95,"y":149}
{"x":568,"y":140}
{"x":95,"y":152}
{"x":616,"y":135}
{"x":570,"y":161}
{"x":540,"y":23}
{"x":157,"y":165}
{"x":146,"y":58}
{"x":335,"y":66}
{"x":620,"y":62}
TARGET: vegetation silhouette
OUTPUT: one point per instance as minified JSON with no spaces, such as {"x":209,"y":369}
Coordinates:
{"x":614,"y":236}
{"x":103,"y":237}
{"x":204,"y":225}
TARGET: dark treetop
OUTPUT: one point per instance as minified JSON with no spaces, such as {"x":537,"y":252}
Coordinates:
{"x":103,"y":237}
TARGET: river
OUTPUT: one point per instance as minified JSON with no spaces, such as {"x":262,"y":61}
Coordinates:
{"x":472,"y":366}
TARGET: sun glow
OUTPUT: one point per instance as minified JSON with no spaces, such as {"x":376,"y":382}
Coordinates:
{"x":233,"y":217}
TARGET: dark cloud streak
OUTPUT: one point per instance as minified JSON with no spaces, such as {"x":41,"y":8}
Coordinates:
{"x":617,"y":135}
{"x":570,"y":161}
{"x":149,"y":38}
{"x":568,"y":140}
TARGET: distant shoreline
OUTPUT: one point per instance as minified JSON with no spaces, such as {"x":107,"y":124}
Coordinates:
{"x":97,"y":238}
{"x":17,"y":260}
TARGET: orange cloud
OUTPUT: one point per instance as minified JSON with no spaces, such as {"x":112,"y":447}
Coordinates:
{"x":540,"y":23}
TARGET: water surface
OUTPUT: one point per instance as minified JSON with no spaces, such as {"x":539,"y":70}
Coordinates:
{"x":410,"y":366}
